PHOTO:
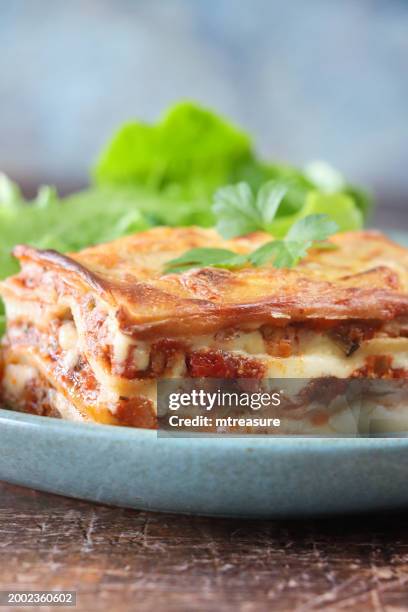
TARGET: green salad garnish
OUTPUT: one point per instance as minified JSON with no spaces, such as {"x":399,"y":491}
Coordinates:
{"x":238,"y":212}
{"x":167,"y":173}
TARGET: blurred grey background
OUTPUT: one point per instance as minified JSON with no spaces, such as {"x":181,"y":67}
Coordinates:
{"x":317,"y":79}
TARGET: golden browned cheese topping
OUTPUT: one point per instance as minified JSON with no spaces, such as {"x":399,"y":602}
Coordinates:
{"x":366,"y":277}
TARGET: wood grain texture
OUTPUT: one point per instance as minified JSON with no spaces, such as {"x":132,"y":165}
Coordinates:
{"x":123,"y":560}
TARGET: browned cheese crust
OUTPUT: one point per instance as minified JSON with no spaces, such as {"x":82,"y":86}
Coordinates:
{"x":366,"y":277}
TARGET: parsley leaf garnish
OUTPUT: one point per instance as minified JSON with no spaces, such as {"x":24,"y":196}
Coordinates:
{"x":240,"y":213}
{"x":311,"y":228}
{"x":308,"y":232}
{"x":206,"y":257}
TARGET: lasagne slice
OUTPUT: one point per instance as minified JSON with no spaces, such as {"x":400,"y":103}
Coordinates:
{"x":90,"y":333}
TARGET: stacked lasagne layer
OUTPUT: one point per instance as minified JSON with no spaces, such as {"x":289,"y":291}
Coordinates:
{"x":89,"y":334}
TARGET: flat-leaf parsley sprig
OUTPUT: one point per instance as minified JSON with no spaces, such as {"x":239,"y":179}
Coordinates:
{"x":239,"y":213}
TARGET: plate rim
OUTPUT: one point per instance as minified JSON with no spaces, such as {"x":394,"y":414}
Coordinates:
{"x":50,"y":426}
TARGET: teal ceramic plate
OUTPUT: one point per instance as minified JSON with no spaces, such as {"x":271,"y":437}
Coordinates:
{"x":253,"y":477}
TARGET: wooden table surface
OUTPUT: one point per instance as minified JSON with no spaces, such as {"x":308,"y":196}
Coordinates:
{"x":120,"y":559}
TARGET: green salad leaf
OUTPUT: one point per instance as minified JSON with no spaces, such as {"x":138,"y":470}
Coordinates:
{"x":191,"y":152}
{"x":339,"y":206}
{"x":156,"y":208}
{"x":190,"y":149}
{"x":48,"y":222}
{"x":10,"y":194}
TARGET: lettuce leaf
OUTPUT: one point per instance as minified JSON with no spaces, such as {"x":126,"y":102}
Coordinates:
{"x":191,"y":152}
{"x":340,"y":207}
{"x":156,"y":208}
{"x":50,"y":223}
